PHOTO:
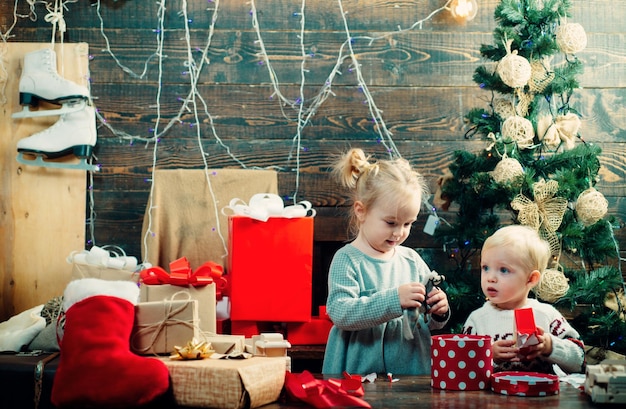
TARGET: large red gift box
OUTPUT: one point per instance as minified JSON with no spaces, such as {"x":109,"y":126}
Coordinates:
{"x":270,"y":268}
{"x":314,"y":332}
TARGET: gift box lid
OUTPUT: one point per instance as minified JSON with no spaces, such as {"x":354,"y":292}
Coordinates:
{"x":524,"y":383}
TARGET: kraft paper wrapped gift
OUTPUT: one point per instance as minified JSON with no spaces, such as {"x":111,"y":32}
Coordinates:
{"x":205,"y":295}
{"x":270,"y":272}
{"x":162,"y":325}
{"x":227,"y":383}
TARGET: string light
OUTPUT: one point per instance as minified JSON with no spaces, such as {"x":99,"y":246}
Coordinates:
{"x":464,"y":9}
{"x":193,"y":103}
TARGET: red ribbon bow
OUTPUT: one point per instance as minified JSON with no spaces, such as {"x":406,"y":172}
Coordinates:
{"x":182,"y":275}
{"x":329,"y":393}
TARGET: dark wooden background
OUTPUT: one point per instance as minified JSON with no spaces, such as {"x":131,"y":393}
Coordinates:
{"x":420,"y":79}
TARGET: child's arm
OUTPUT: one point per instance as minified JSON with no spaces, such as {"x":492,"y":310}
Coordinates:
{"x":568,"y":353}
{"x":560,"y":344}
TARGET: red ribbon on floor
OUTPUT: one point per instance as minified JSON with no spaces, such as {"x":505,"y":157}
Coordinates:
{"x":323,"y":394}
{"x":181,"y":274}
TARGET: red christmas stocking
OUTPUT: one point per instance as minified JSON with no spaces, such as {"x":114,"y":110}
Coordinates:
{"x":96,"y":367}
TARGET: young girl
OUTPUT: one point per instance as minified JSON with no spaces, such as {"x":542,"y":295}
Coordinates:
{"x":377,"y":296}
{"x":512,"y":261}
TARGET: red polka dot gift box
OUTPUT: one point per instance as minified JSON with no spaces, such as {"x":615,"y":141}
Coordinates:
{"x":461,"y":362}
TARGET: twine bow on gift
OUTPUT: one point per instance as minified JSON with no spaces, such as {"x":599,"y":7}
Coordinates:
{"x":545,"y":214}
{"x":159,"y":328}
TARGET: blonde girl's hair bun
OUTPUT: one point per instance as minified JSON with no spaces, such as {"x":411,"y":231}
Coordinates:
{"x":351,"y":166}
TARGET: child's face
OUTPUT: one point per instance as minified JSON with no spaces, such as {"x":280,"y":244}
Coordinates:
{"x":504,"y":279}
{"x":386,"y":225}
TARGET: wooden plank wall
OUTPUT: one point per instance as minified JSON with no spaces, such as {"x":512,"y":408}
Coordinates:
{"x":420,"y":78}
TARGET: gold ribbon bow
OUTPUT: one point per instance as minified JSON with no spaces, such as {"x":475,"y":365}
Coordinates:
{"x":545,"y":214}
{"x":563,"y":128}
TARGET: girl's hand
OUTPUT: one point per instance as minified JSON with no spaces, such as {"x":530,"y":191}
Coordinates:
{"x":412,"y":295}
{"x":438,"y":302}
{"x":505,"y":350}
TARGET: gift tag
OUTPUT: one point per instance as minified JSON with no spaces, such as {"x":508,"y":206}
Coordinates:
{"x":431,"y":224}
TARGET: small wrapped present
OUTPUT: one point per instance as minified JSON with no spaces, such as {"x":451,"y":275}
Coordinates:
{"x":227,"y":383}
{"x":205,"y":295}
{"x":525,"y":333}
{"x":270,"y":344}
{"x":160,"y":326}
{"x":224,"y":343}
{"x":606,"y":381}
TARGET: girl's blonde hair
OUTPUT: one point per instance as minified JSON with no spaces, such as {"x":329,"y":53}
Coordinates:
{"x":372,"y":180}
{"x":533,"y":252}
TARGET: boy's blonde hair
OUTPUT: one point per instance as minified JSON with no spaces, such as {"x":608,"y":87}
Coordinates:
{"x":369,"y":181}
{"x":533,"y":252}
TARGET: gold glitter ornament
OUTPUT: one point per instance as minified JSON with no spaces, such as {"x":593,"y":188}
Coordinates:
{"x":591,"y":206}
{"x":507,"y":170}
{"x":514,"y":70}
{"x":552,"y":285}
{"x":571,"y":38}
{"x":520,"y":130}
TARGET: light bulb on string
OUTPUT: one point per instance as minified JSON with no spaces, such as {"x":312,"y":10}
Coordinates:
{"x":464,"y":9}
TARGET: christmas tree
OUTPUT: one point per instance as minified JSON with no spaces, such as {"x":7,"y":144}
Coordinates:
{"x":536,"y":169}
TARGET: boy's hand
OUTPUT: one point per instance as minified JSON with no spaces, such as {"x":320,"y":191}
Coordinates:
{"x":505,"y":350}
{"x":544,"y":347}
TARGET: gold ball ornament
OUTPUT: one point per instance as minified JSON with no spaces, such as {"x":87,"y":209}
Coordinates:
{"x":591,"y":206}
{"x":518,"y":129}
{"x":514,"y":70}
{"x":571,"y":38}
{"x":552,"y":286}
{"x":507,"y":170}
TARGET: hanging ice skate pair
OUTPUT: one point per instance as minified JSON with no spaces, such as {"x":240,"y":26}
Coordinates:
{"x":73,"y":133}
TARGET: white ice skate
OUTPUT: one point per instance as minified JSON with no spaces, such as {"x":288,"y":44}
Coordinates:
{"x":41,"y":82}
{"x":74,"y":133}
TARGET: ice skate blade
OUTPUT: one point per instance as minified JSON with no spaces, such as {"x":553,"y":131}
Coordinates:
{"x":67,"y":108}
{"x":38,"y":161}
